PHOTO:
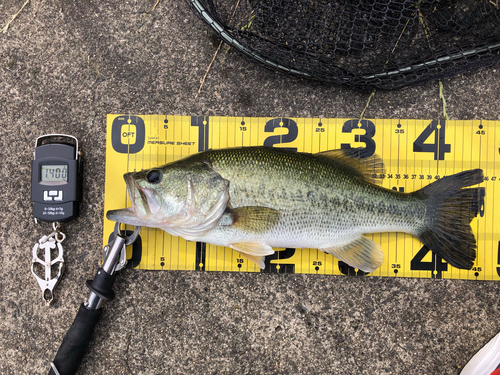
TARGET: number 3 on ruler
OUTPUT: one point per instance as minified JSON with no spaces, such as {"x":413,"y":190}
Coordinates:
{"x":367,"y":138}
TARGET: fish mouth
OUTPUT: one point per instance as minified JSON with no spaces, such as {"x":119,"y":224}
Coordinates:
{"x":133,"y":190}
{"x":142,"y":199}
{"x":128,"y":215}
{"x":144,"y":204}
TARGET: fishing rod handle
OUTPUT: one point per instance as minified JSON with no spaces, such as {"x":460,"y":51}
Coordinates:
{"x":77,"y":339}
{"x":75,"y":343}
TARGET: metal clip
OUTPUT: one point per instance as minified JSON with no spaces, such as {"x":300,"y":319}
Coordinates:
{"x":114,"y":259}
{"x":48,"y":243}
{"x":122,"y":261}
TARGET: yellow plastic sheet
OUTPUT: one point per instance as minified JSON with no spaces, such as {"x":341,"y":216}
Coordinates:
{"x":415,"y":153}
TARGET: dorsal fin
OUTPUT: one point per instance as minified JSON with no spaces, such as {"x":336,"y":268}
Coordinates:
{"x":369,"y":168}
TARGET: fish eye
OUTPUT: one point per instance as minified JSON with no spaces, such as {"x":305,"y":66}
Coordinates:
{"x":153,"y":176}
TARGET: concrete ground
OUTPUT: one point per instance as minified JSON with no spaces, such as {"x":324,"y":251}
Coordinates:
{"x":64,"y":65}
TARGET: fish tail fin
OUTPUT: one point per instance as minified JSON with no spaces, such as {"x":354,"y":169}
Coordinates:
{"x":450,"y":210}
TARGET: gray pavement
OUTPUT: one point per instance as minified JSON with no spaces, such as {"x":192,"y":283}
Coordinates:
{"x":64,"y":65}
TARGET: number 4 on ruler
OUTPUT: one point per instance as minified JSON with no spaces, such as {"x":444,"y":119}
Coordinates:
{"x":439,"y":147}
{"x":436,"y":265}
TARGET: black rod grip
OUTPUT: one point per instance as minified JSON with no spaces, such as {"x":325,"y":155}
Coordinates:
{"x":75,"y":343}
{"x":101,"y":285}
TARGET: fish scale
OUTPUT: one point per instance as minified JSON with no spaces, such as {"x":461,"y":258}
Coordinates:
{"x":317,"y":209}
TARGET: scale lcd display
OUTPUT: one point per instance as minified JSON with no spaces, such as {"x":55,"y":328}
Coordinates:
{"x":54,"y":173}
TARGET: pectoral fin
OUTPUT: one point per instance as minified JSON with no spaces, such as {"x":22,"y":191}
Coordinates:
{"x":253,"y":251}
{"x":362,"y":253}
{"x":254,"y":219}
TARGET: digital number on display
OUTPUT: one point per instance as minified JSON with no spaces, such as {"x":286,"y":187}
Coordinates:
{"x":54,"y":173}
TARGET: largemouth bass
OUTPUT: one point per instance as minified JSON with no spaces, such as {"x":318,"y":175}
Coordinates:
{"x":256,"y":198}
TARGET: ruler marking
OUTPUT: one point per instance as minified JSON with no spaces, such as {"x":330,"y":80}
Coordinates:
{"x":179,"y":240}
{"x":243,"y":134}
{"x":462,"y":153}
{"x":165,"y":160}
{"x":478,"y":221}
{"x":248,"y":129}
{"x":157,"y":133}
{"x":323,"y":125}
{"x":409,"y":155}
{"x":493,"y":205}
{"x":493,"y":262}
{"x":304,"y":148}
{"x":453,"y":154}
{"x":399,"y":148}
{"x":170,"y":237}
{"x":438,"y":141}
{"x":151,"y":232}
{"x":397,"y":184}
{"x":471,"y":165}
{"x":128,"y":164}
{"x":479,"y":218}
{"x":333,"y":124}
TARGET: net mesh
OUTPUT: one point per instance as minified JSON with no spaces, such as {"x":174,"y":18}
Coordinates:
{"x":367,"y":44}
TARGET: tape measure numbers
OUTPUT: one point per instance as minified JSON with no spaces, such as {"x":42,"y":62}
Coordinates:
{"x":415,"y":153}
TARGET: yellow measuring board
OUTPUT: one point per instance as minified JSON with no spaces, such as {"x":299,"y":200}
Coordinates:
{"x":415,"y":153}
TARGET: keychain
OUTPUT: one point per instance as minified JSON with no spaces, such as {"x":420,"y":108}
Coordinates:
{"x":48,"y":243}
{"x":56,"y":191}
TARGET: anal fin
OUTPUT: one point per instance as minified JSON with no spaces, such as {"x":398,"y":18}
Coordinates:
{"x":362,"y":253}
{"x":253,"y":251}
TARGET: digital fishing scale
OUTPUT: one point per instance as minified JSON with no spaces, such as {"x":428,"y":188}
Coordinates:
{"x":56,"y":178}
{"x":56,"y":191}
